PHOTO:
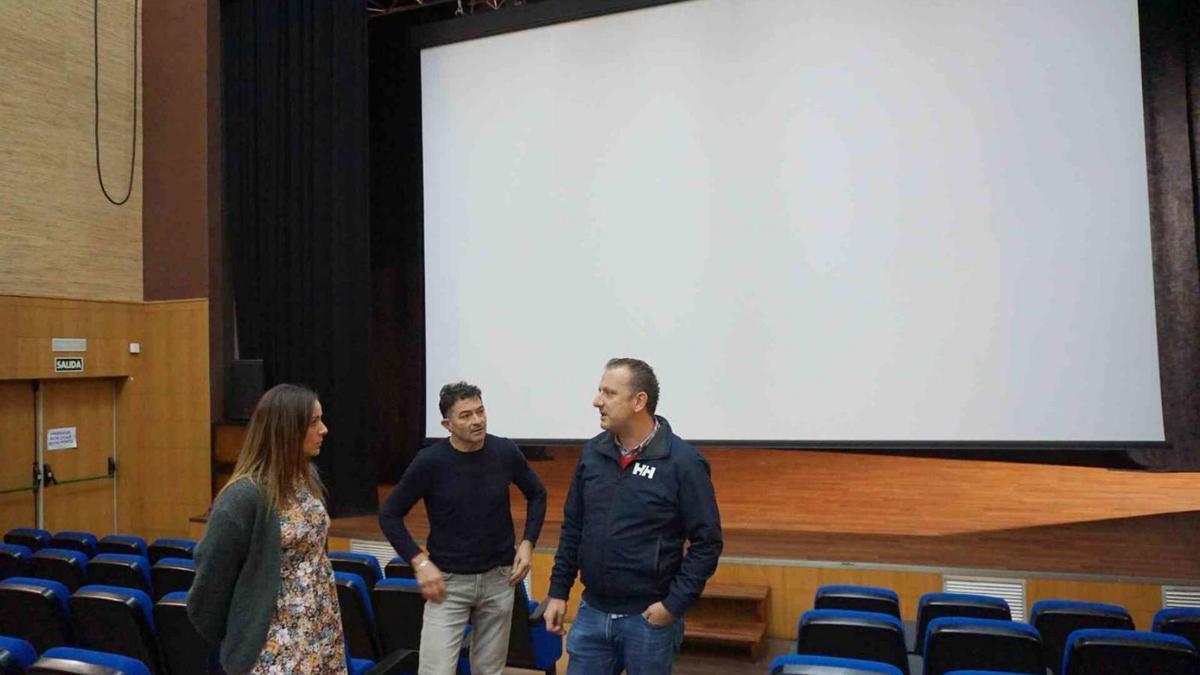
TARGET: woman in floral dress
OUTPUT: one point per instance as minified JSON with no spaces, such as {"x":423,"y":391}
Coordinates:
{"x":264,"y":588}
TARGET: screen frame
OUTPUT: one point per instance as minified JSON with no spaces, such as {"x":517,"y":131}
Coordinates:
{"x":540,"y":14}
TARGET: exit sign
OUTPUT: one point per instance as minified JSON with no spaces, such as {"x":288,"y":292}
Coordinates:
{"x":68,"y":364}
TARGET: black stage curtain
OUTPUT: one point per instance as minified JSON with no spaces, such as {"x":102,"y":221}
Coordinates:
{"x":397,"y":243}
{"x":1170,"y":33}
{"x":294,"y":117}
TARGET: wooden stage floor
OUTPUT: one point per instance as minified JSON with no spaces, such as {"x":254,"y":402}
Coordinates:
{"x":782,"y":507}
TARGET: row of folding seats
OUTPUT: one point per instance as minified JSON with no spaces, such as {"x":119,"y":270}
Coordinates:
{"x":956,"y":630}
{"x":74,"y":568}
{"x":383,"y":615}
{"x":1089,"y":651}
{"x":86,"y":543}
{"x":18,"y":656}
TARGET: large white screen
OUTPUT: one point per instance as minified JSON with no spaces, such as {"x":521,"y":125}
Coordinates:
{"x":875,"y":220}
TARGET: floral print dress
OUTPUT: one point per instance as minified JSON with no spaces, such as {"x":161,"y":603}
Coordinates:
{"x":306,"y":630}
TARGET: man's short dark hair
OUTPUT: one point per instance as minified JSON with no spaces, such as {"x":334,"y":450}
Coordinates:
{"x":455,"y":392}
{"x":641,"y":378}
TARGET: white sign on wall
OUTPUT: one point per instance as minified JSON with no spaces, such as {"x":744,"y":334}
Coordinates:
{"x":62,"y":438}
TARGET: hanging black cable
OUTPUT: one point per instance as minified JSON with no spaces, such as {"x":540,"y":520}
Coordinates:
{"x":96,"y":88}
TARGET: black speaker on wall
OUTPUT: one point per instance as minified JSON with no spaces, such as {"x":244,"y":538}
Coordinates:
{"x":243,"y":388}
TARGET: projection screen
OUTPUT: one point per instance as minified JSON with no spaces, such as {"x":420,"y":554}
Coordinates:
{"x":876,"y":220}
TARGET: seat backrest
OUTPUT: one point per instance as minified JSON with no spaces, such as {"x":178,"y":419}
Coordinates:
{"x":172,"y":574}
{"x":869,"y":636}
{"x":66,"y":566}
{"x":362,"y":564}
{"x":1181,"y":621}
{"x":858,"y":598}
{"x":84,"y":542}
{"x":807,"y":664}
{"x":14,"y":560}
{"x":955,"y":643}
{"x":184,"y":652}
{"x":398,"y":568}
{"x":937,"y":605}
{"x":121,"y":543}
{"x":170,"y":548}
{"x":358,"y":618}
{"x":116,"y":620}
{"x":117,"y":569}
{"x":36,"y":611}
{"x":520,"y":643}
{"x":530,"y":645}
{"x":29,"y":537}
{"x":399,"y":613}
{"x":74,"y":661}
{"x":16,"y":655}
{"x":1056,"y":619}
{"x":1126,"y":652}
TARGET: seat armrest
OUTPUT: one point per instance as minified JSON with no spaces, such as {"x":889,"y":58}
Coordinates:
{"x":537,"y":614}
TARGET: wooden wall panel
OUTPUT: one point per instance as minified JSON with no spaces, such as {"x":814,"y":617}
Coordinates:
{"x":1142,"y":600}
{"x":165,"y":465}
{"x":17,"y":452}
{"x":793,"y":587}
{"x":163,"y":425}
{"x":62,"y":238}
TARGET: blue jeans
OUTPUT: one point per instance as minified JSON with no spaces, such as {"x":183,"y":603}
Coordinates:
{"x":600,"y":644}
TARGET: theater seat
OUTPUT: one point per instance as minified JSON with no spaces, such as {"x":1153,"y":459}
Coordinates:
{"x":184,"y":652}
{"x":29,"y":537}
{"x":1056,"y":619}
{"x":14,"y":561}
{"x":84,"y":542}
{"x":362,"y":564}
{"x":16,"y":655}
{"x":868,"y":636}
{"x":1181,"y":621}
{"x":398,"y":568}
{"x":171,"y":548}
{"x":116,"y":620}
{"x":172,"y":574}
{"x":117,"y":569}
{"x":36,"y":611}
{"x":530,"y":645}
{"x":805,"y":664}
{"x":1125,"y":652}
{"x":123,"y":544}
{"x":954,"y":643}
{"x":936,"y":605}
{"x":67,"y":567}
{"x":73,"y":661}
{"x":399,"y":614}
{"x":358,"y":618}
{"x":858,"y":599}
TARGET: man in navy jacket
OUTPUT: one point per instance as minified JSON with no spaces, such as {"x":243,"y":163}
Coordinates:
{"x":639,"y":492}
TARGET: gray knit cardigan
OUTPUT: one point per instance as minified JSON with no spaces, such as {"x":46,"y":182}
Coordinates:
{"x":238,"y":565}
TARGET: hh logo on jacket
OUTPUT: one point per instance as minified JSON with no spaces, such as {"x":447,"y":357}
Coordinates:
{"x":644,"y":471}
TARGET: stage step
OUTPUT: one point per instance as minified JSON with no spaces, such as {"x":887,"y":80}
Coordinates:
{"x":733,"y":614}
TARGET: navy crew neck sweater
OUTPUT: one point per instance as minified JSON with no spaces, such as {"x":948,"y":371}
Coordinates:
{"x":466,"y":498}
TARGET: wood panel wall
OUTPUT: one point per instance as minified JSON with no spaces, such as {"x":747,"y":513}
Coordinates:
{"x":792,"y":589}
{"x":163,"y":426}
{"x":62,"y":238}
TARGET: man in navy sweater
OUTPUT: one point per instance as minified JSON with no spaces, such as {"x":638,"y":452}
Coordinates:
{"x":470,"y":569}
{"x":639,"y":492}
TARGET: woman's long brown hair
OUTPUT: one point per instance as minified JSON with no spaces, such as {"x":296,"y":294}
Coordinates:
{"x":272,"y":455}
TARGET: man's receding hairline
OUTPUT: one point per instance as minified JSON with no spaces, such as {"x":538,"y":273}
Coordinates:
{"x":462,"y":400}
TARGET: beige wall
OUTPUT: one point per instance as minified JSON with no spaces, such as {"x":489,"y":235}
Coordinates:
{"x":60,"y":236}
